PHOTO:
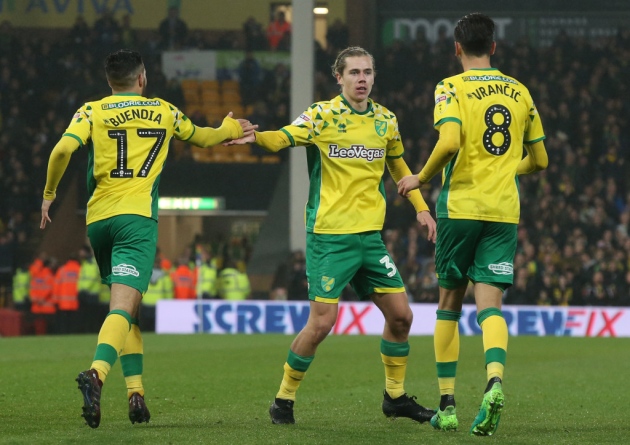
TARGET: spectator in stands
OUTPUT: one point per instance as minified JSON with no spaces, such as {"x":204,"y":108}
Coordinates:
{"x":521,"y":292}
{"x":337,"y":36}
{"x":107,"y":28}
{"x":298,"y":284}
{"x":280,"y":282}
{"x":597,"y":292}
{"x":255,"y":39}
{"x":250,"y":77}
{"x":79,"y":32}
{"x":278,"y":32}
{"x":128,"y":35}
{"x":173,"y":30}
{"x":277,"y":86}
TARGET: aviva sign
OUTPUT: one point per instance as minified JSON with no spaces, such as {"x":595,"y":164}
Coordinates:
{"x":63,"y":13}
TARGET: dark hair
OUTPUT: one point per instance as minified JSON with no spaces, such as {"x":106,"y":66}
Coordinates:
{"x":351,"y":51}
{"x":475,"y":33}
{"x":122,"y":67}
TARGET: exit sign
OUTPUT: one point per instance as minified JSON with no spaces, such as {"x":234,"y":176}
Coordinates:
{"x":189,"y":203}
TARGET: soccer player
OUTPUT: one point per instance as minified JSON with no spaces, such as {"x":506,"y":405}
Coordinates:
{"x":349,"y":140}
{"x":127,"y":137}
{"x":485,"y":118}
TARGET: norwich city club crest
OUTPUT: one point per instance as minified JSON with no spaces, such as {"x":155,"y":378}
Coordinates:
{"x":328,"y":283}
{"x":381,"y":127}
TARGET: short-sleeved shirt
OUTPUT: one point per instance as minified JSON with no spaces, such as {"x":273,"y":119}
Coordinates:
{"x":497,"y":116}
{"x":346,"y":151}
{"x":127,"y":136}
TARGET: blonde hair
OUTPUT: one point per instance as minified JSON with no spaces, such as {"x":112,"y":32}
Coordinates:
{"x":351,"y":51}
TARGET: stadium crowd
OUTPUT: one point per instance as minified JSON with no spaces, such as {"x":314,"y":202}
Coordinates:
{"x":574,"y":243}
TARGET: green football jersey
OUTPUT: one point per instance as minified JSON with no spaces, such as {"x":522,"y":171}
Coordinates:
{"x":129,"y":137}
{"x":346,"y":151}
{"x":497,"y":116}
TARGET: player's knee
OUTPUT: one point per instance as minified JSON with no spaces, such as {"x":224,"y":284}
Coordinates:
{"x":321,"y":327}
{"x":400,"y":323}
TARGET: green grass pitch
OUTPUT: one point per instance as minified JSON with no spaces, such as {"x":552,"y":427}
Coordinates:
{"x":214,"y":389}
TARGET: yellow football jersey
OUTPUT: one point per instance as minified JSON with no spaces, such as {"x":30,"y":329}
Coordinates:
{"x":346,"y":152}
{"x":497,"y":116}
{"x":128,"y":138}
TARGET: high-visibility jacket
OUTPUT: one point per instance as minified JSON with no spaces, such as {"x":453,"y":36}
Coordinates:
{"x":89,"y":277}
{"x":184,"y":283}
{"x":206,"y":277}
{"x":41,"y":292}
{"x":233,"y":284}
{"x":65,"y":291}
{"x":161,"y":289}
{"x":35,"y":267}
{"x":21,"y":280}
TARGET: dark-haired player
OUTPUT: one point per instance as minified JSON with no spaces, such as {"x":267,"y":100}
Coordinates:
{"x":485,"y":118}
{"x":127,"y":137}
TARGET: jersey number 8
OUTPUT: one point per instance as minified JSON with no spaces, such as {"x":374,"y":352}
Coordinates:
{"x":488,"y":144}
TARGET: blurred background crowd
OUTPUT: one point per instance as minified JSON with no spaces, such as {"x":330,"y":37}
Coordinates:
{"x":574,"y":243}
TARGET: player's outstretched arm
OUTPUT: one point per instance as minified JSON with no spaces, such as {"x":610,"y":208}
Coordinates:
{"x":57,"y":164}
{"x":230,"y":129}
{"x":272,"y":141}
{"x":246,"y":139}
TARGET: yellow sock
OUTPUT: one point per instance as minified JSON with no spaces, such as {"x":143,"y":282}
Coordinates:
{"x":290,"y":383}
{"x":395,"y":370}
{"x":134,"y":384}
{"x":111,"y":340}
{"x":131,"y":360}
{"x":394,"y":356}
{"x":294,"y":370}
{"x":495,"y":340}
{"x":446,"y":346}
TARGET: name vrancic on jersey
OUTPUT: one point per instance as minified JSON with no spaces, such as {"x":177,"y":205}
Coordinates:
{"x":355,"y":151}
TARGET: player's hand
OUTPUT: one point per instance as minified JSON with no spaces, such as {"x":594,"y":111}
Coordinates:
{"x":248,"y":129}
{"x":407,"y":184}
{"x":45,"y":218}
{"x":425,"y":219}
{"x":247,"y":126}
{"x":247,"y":139}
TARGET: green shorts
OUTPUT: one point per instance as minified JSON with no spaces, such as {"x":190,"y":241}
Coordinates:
{"x":124,"y":248}
{"x":481,"y":251}
{"x":361,"y":259}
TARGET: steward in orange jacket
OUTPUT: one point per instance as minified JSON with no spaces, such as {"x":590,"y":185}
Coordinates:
{"x":65,"y":291}
{"x":183,"y":281}
{"x":66,"y":295}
